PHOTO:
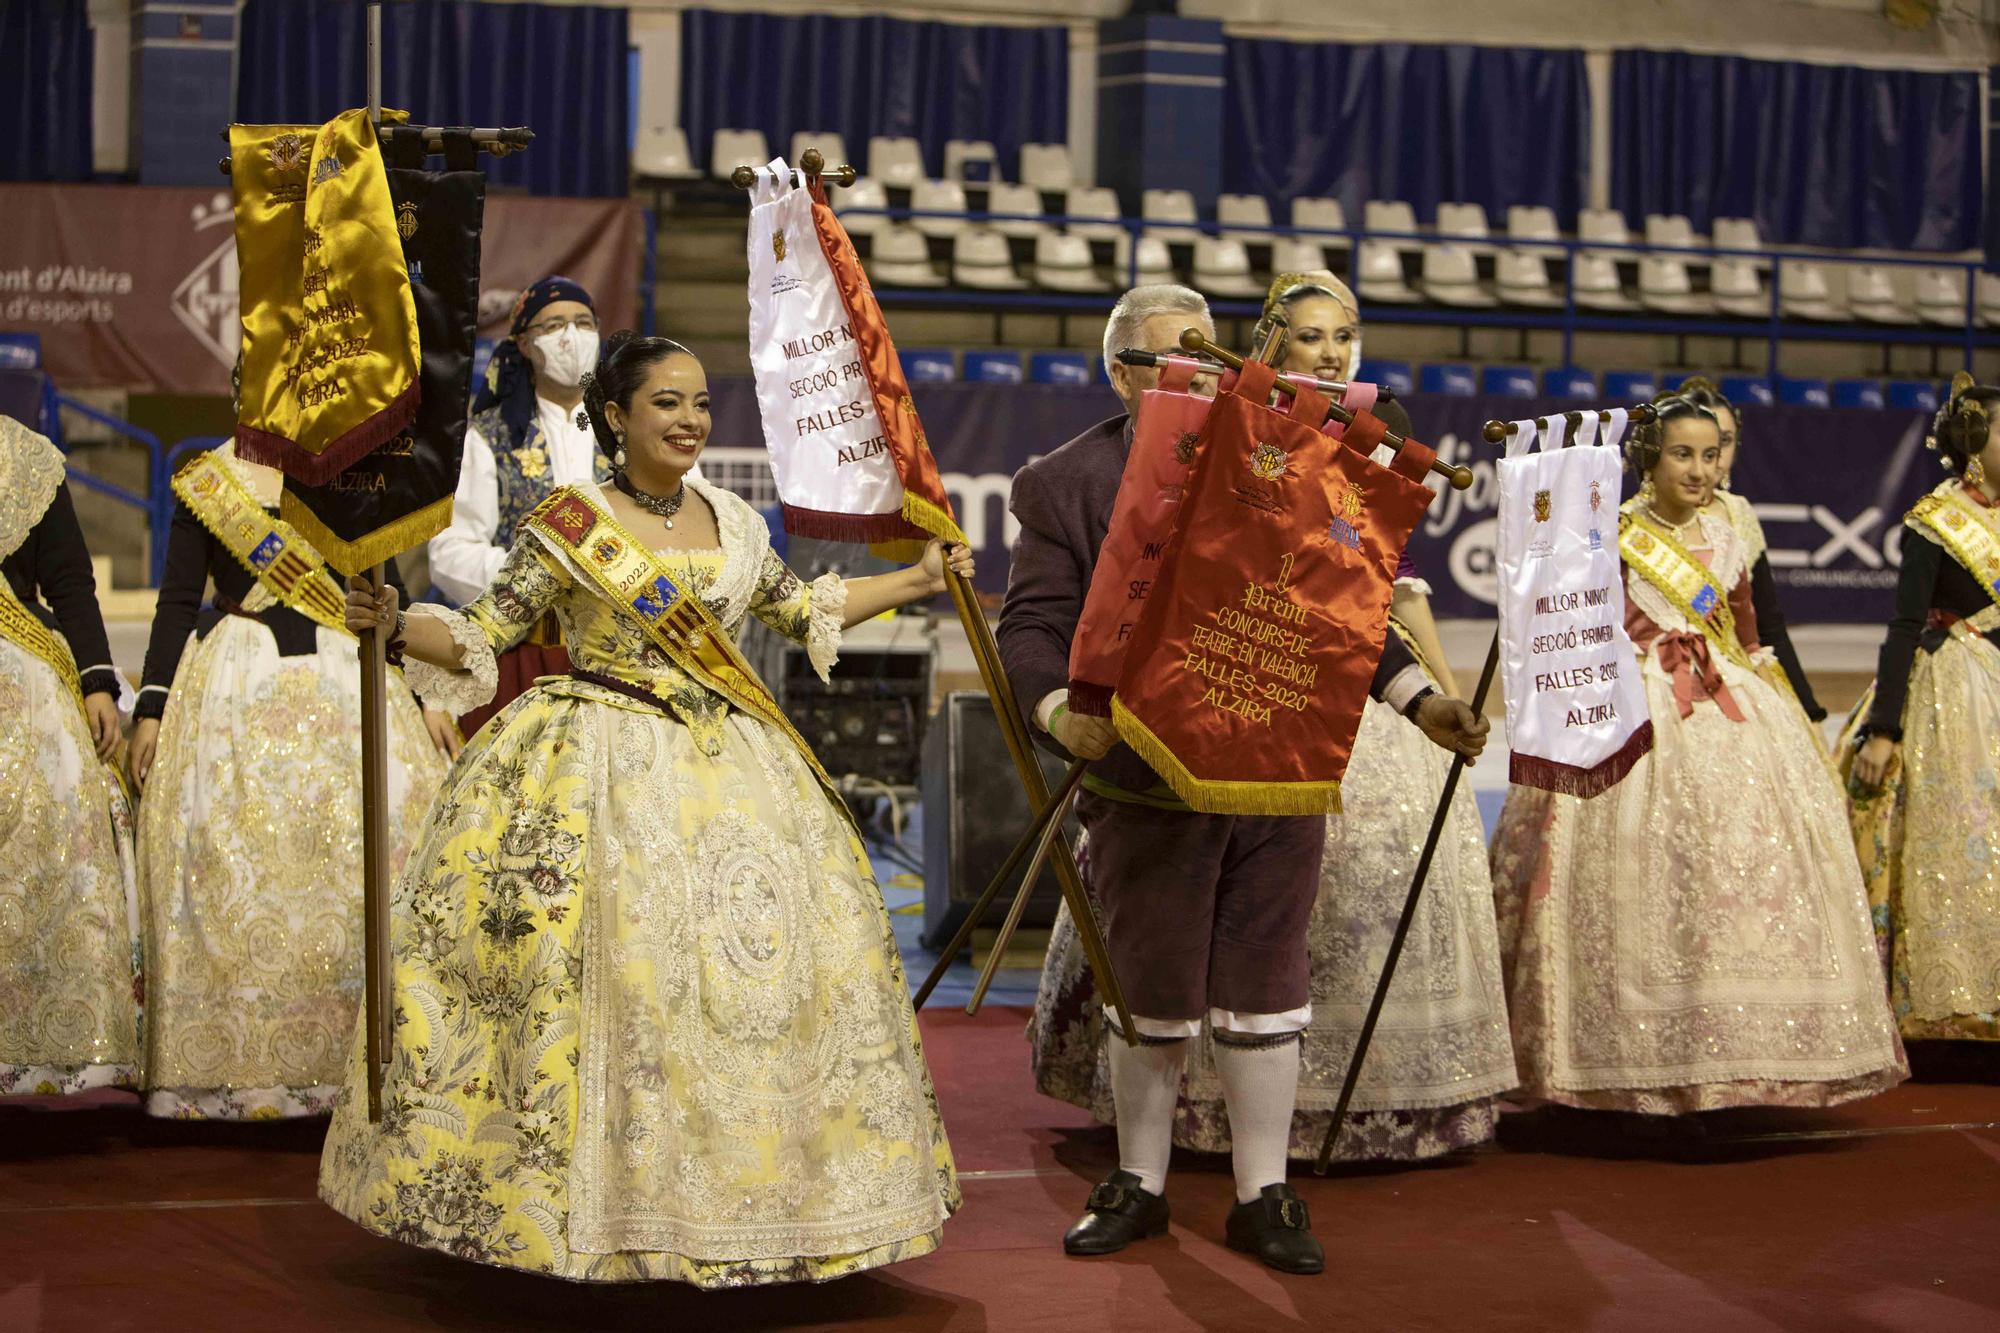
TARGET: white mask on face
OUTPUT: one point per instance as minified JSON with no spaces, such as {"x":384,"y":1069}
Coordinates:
{"x":567,"y":354}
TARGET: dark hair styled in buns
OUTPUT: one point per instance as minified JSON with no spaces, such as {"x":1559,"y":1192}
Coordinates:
{"x":1649,"y":439}
{"x":622,"y":368}
{"x":1962,"y":426}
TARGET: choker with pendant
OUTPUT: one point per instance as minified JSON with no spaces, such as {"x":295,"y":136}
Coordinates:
{"x":665,"y":506}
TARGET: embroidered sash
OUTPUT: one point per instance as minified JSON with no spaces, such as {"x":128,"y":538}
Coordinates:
{"x":23,"y":627}
{"x":626,"y":572}
{"x":1683,"y":580}
{"x":283,"y":561}
{"x":1965,"y":531}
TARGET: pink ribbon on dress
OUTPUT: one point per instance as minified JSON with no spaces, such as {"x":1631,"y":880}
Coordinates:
{"x":1685,"y":657}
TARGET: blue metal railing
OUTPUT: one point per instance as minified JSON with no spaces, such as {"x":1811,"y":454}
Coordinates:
{"x":157,"y":504}
{"x":1774,"y":328}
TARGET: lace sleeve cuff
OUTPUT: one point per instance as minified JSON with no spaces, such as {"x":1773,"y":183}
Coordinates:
{"x":1411,"y":583}
{"x":826,"y":607}
{"x":469,"y":687}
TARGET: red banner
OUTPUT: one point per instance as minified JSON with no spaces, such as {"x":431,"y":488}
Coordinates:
{"x":135,"y":287}
{"x":1248,"y":672}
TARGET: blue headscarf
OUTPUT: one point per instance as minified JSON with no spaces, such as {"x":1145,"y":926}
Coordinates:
{"x":510,"y":380}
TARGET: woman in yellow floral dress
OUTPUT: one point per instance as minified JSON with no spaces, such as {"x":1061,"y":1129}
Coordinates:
{"x":651,"y":1021}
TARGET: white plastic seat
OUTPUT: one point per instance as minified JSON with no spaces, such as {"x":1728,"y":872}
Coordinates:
{"x":979,"y":259}
{"x":1522,"y":279}
{"x":1462,"y":222}
{"x":1391,"y":215}
{"x":1872,"y":297}
{"x":1941,"y":296}
{"x":1593,"y":276}
{"x":1063,"y":264}
{"x":730,"y":149}
{"x":1380,"y":266}
{"x":958,"y":152}
{"x":1093,"y":201}
{"x":1664,"y":285}
{"x":1321,"y":213}
{"x":1047,"y":166}
{"x":1155,"y":264}
{"x":1606,"y":225}
{"x":661,"y":153}
{"x":1988,"y":290}
{"x":1022,"y":199}
{"x":1805,"y":291}
{"x":865,"y":193}
{"x":1169,"y":215}
{"x":831,"y":147}
{"x":1532,"y":222}
{"x":1451,"y":277}
{"x":1289,"y":254}
{"x":1737,"y":289}
{"x":901,"y":257}
{"x":938,"y":197}
{"x":1669,"y":229}
{"x":1222,"y":268}
{"x":1245,"y":210}
{"x":896,"y":162}
{"x":1737,"y":234}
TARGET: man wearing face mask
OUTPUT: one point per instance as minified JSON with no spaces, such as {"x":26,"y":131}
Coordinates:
{"x":525,"y":439}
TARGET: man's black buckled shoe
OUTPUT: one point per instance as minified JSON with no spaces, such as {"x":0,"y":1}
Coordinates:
{"x":1120,"y":1211}
{"x":1277,"y":1229}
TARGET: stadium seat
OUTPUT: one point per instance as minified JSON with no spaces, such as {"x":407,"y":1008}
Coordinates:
{"x":1394,"y":376}
{"x":1747,"y":390}
{"x":1913,"y":395}
{"x":1670,"y":229}
{"x":1806,"y":292}
{"x":1988,"y":289}
{"x":1062,"y":264}
{"x":1664,"y":286}
{"x":1872,"y":297}
{"x":1941,"y":296}
{"x":661,"y":153}
{"x":902,"y":258}
{"x":896,"y":162}
{"x":1803,"y":392}
{"x":1859,"y":393}
{"x":1381,"y":270}
{"x":1058,"y":368}
{"x":946,"y":197}
{"x":831,"y":147}
{"x":1292,"y":255}
{"x":1508,"y":381}
{"x":1631,"y":386}
{"x":973,"y":160}
{"x":1594,"y":276}
{"x":980,"y":260}
{"x":1391,"y":215}
{"x":730,"y":149}
{"x":1462,"y":222}
{"x":1248,"y":211}
{"x":1570,"y":383}
{"x":1094,"y":201}
{"x":1321,"y":214}
{"x":1522,"y":278}
{"x":1606,"y":225}
{"x":1737,"y":234}
{"x":1222,"y":268}
{"x":1451,"y":277}
{"x":1155,"y":265}
{"x":1025,"y":200}
{"x":1449,"y":378}
{"x":928,"y":365}
{"x":1047,"y":166}
{"x":851,"y":204}
{"x":992,"y":367}
{"x":1738,"y":290}
{"x":1169,"y":214}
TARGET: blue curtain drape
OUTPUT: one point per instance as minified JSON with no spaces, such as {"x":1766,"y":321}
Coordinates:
{"x":45,"y":75}
{"x":1817,"y":154}
{"x":860,"y":77}
{"x":1425,"y":124}
{"x":558,"y":69}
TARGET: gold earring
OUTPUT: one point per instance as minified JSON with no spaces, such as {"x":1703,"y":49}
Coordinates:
{"x":1975,"y":472}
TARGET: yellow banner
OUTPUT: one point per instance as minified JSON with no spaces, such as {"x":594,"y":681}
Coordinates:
{"x":1966,"y":529}
{"x":274,"y":553}
{"x":1662,"y":561}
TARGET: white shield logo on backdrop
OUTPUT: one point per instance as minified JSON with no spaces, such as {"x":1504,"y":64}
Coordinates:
{"x":205,"y":301}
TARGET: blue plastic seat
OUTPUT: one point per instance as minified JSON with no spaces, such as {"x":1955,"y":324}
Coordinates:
{"x":992,"y":367}
{"x":1449,"y":378}
{"x":1569,"y":383}
{"x":1803,"y":392}
{"x":20,"y":351}
{"x":1508,"y":381}
{"x":1913,"y":395}
{"x":1631,"y":386}
{"x":1059,"y":368}
{"x":928,"y":365}
{"x":1859,"y":393}
{"x":1395,"y":376}
{"x":1746,"y":390}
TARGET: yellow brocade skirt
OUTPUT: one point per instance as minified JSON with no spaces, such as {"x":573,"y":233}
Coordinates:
{"x":650,"y":1018}
{"x":69,"y":923}
{"x":1929,"y":842}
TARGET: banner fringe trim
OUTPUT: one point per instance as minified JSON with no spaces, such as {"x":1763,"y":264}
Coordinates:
{"x":830,"y":526}
{"x":1526,"y":770}
{"x":317,"y":469}
{"x":1223,"y":798}
{"x":937,"y":522}
{"x":379,"y":547}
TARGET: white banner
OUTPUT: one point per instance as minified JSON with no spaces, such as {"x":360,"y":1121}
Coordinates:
{"x":1576,"y":709}
{"x":828,"y":449}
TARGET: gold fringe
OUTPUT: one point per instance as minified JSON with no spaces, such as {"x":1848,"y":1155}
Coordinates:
{"x":378,"y":547}
{"x":938,"y":522}
{"x":1222,"y":798}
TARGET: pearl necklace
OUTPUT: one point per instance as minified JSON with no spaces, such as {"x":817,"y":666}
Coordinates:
{"x":665,"y":506}
{"x":1678,"y":529}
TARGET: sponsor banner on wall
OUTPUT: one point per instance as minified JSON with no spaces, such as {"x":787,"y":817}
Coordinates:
{"x":134,"y":286}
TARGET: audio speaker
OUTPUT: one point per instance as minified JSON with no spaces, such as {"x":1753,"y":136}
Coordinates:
{"x":974,"y":813}
{"x":869,"y":719}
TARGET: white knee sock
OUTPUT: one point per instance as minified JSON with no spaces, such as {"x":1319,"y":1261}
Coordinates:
{"x":1145,"y":1085}
{"x":1261,"y":1085}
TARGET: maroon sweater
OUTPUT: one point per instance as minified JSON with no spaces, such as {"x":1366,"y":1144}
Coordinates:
{"x":1064,"y":502}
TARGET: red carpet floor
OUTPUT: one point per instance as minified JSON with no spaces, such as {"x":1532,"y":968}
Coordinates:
{"x":1881,"y":1215}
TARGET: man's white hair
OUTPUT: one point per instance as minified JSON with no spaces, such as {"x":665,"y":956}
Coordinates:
{"x":1140,"y":304}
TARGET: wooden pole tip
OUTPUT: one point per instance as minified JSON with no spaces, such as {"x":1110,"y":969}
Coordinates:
{"x":812,"y":162}
{"x":1494,"y":431}
{"x":742,"y":177}
{"x":1192,"y":339}
{"x":1461,"y":477}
